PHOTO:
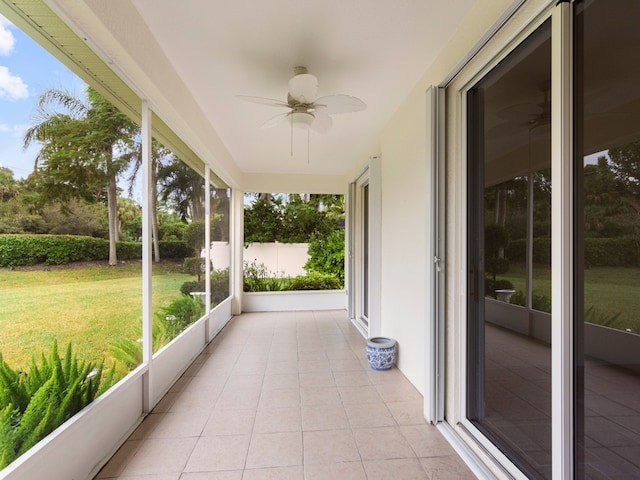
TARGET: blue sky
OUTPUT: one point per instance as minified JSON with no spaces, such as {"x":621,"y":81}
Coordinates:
{"x":26,"y":70}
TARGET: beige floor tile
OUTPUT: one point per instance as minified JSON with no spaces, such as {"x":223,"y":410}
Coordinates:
{"x":219,"y":453}
{"x":385,"y":377}
{"x":280,"y":380}
{"x":229,"y":475}
{"x":281,"y":367}
{"x":329,"y":446}
{"x":352,"y":378}
{"x":307,"y":366}
{"x":230,"y":422}
{"x":426,"y":441}
{"x":371,"y":415}
{"x":153,"y":476}
{"x":322,"y":417}
{"x":275,"y":473}
{"x":275,"y":450}
{"x":239,"y":397}
{"x":382,"y":443}
{"x":447,"y":468}
{"x":192,"y":401}
{"x":165,"y":404}
{"x":396,"y":469}
{"x":160,"y":456}
{"x":407,"y":413}
{"x":345,"y":364}
{"x":116,"y":464}
{"x":399,"y":392}
{"x":272,"y":420}
{"x":320,"y":396}
{"x":359,"y":395}
{"x":335,"y":471}
{"x":317,"y":379}
{"x":147,"y":426}
{"x":279,"y":397}
{"x":180,"y":424}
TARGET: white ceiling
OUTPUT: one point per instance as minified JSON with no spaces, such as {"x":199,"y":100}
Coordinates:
{"x":375,"y":50}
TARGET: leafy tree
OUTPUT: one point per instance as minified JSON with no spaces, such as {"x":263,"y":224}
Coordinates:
{"x":182,"y":188}
{"x":262,"y":221}
{"x":326,"y":254}
{"x":8,"y":185}
{"x":85,"y":147}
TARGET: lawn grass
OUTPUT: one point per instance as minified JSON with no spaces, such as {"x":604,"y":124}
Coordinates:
{"x":608,"y":289}
{"x":89,"y":305}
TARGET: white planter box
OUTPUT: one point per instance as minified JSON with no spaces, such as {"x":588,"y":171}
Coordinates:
{"x":294,"y":300}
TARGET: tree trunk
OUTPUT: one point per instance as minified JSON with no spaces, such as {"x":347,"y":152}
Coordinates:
{"x":112,"y":196}
{"x":155,"y":228}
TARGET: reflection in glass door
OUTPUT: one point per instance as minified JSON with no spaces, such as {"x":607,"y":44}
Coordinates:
{"x":607,"y":206}
{"x":509,"y":287}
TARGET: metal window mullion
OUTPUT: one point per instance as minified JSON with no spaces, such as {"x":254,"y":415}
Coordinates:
{"x":147,"y":338}
{"x":207,"y":251}
{"x":561,"y":243}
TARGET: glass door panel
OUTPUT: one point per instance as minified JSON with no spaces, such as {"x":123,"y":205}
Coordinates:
{"x":508,"y":350}
{"x":607,"y":231}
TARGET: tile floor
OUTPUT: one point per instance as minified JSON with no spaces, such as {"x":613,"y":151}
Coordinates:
{"x":287,"y":396}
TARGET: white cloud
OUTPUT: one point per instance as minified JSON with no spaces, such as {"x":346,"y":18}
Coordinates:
{"x":7,"y":40}
{"x":11,"y":86}
{"x":16,"y":130}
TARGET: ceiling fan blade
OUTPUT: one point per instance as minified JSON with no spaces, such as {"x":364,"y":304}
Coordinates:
{"x":303,"y":88}
{"x":276,"y":120}
{"x":339,"y":104}
{"x":263,"y":101}
{"x":322,"y":122}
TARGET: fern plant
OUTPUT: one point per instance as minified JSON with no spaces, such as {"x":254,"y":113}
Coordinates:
{"x":34,"y":404}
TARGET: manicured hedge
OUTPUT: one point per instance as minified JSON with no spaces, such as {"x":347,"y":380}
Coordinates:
{"x":598,"y":252}
{"x":17,"y":250}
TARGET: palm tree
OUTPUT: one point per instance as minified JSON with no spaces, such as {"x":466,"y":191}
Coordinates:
{"x":85,"y":145}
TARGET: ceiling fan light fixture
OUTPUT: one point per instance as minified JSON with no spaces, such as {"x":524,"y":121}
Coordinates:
{"x":302,"y":120}
{"x":303,"y":88}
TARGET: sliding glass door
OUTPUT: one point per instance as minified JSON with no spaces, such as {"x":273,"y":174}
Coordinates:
{"x":509,"y":181}
{"x":555,"y":389}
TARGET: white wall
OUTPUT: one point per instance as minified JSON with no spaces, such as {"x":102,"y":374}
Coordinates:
{"x":282,"y":259}
{"x":405,"y":202}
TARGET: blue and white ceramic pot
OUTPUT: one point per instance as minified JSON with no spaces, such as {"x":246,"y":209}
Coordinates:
{"x":381,"y":352}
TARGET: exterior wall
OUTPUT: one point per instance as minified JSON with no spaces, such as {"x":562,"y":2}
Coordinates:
{"x":406,"y":203}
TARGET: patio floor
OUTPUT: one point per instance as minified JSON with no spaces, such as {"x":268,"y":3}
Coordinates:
{"x":287,"y":396}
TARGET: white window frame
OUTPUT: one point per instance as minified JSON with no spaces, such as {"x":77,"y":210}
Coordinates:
{"x":369,"y":177}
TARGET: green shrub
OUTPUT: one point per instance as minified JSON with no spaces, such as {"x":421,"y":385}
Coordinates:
{"x":327,"y":255}
{"x":193,"y":266}
{"x":219,"y":286}
{"x":315,"y":281}
{"x":181,"y":313}
{"x":490,"y":286}
{"x":606,"y":319}
{"x":50,"y":249}
{"x":258,"y":278}
{"x":542,"y":303}
{"x":34,"y":404}
{"x":175,"y":249}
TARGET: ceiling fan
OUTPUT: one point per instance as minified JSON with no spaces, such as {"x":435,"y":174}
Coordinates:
{"x":305,"y":109}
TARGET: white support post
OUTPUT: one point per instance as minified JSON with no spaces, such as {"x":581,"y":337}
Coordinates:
{"x":147,"y":338}
{"x":207,"y":250}
{"x":236,"y":241}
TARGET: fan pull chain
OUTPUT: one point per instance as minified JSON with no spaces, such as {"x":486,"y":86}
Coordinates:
{"x":291,"y":122}
{"x":308,"y":142}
